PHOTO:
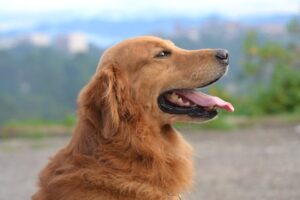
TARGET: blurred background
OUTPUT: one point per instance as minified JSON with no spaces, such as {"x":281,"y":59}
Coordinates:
{"x":49,"y":50}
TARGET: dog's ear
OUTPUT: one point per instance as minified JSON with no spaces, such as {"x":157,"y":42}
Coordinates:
{"x":103,"y":101}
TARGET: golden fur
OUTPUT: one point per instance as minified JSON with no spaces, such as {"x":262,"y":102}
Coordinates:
{"x":123,"y":146}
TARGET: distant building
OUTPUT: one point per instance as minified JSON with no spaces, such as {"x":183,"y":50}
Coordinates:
{"x":192,"y":33}
{"x":73,"y":43}
{"x":38,"y":39}
{"x":34,"y":39}
{"x":273,"y":29}
{"x":8,"y":42}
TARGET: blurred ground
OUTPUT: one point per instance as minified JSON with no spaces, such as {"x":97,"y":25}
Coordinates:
{"x":253,"y":164}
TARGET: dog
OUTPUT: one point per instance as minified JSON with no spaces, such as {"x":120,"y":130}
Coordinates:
{"x":124,"y":146}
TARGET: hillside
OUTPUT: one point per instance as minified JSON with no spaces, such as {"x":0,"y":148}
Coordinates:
{"x":42,"y":82}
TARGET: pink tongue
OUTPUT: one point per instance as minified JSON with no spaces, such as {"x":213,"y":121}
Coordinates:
{"x":205,"y":100}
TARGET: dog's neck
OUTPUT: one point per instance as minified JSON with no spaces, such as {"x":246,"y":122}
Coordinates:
{"x":151,"y":153}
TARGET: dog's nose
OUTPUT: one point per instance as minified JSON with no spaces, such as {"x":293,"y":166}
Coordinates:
{"x":222,"y":56}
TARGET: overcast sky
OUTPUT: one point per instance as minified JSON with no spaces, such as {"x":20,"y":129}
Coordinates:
{"x":116,"y":9}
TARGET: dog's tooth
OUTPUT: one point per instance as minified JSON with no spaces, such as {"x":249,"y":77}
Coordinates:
{"x":180,"y":100}
{"x":185,"y":104}
{"x":174,"y":96}
{"x":182,"y":103}
{"x":210,"y":108}
{"x":213,"y":107}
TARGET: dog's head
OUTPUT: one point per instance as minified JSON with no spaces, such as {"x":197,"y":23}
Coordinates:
{"x":153,"y":77}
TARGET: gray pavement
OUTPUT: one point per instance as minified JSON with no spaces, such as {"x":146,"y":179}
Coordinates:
{"x":252,"y":164}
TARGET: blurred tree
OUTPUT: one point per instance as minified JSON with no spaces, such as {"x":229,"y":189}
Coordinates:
{"x":294,"y":26}
{"x":251,"y":61}
{"x":42,"y":82}
{"x":273,"y":73}
{"x":294,"y":46}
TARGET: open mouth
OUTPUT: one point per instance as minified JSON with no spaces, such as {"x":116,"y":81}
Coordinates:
{"x":193,"y":103}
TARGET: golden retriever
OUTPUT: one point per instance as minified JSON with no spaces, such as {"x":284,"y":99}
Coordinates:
{"x":124,"y":146}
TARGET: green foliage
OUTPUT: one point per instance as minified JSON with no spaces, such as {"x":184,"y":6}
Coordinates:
{"x":251,"y":43}
{"x":272,"y":52}
{"x":294,"y":26}
{"x":29,"y":122}
{"x":69,"y":120}
{"x":283,"y":95}
{"x":273,"y":73}
{"x":220,"y":123}
{"x":42,"y":83}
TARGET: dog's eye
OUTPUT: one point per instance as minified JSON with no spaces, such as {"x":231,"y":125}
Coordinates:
{"x":163,"y":54}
